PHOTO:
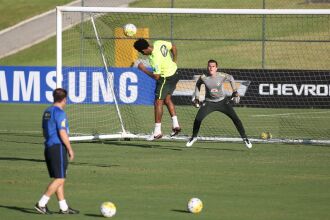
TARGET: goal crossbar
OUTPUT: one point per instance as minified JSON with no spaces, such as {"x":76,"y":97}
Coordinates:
{"x":195,"y":11}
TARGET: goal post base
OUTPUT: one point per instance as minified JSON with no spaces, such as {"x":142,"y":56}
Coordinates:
{"x":130,"y":136}
{"x":123,"y":135}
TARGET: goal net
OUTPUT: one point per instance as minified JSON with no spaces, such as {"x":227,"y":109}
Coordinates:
{"x":279,"y":59}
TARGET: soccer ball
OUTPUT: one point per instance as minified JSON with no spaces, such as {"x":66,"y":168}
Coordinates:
{"x":263,"y":135}
{"x":108,"y":209}
{"x":266,"y":135}
{"x":129,"y":30}
{"x":195,"y":205}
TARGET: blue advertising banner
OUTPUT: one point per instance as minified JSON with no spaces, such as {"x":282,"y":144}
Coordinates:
{"x":91,"y":85}
{"x":85,"y":85}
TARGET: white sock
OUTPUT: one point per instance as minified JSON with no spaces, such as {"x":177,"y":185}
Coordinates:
{"x":43,"y":201}
{"x":158,"y":128}
{"x":63,"y":205}
{"x":175,"y":122}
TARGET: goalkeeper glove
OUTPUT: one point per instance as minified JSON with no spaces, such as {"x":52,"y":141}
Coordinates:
{"x":196,"y":103}
{"x":235,"y":97}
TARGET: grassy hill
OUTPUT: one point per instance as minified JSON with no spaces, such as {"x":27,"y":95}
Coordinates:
{"x":236,"y":41}
{"x":13,"y":12}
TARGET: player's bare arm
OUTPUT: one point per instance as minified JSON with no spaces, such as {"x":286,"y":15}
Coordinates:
{"x":148,"y":72}
{"x":65,"y":139}
{"x":174,"y":52}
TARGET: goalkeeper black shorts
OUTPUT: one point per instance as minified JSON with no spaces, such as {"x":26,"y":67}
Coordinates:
{"x":166,"y":86}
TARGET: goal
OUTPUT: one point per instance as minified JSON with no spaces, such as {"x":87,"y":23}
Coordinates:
{"x":279,"y":59}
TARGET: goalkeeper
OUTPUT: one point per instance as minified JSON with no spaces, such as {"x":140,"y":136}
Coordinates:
{"x":215,"y":100}
{"x":164,"y":72}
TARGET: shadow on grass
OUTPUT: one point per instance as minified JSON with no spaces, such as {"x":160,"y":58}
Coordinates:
{"x":71,"y":163}
{"x":21,"y":209}
{"x":180,"y":210}
{"x":95,"y":215}
{"x":95,"y":165}
{"x":222,"y":149}
{"x":21,"y":138}
{"x":21,"y":159}
{"x":146,"y":144}
{"x":166,"y":145}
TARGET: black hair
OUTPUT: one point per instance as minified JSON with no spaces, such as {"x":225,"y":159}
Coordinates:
{"x":59,"y":94}
{"x":141,"y":44}
{"x":213,"y":61}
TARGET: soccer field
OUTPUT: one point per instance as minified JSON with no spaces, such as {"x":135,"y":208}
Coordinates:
{"x":283,"y":123}
{"x":154,"y":180}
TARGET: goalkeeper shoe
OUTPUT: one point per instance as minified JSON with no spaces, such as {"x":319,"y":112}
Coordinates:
{"x":153,"y":137}
{"x":191,"y":141}
{"x":42,"y":210}
{"x":175,"y":131}
{"x":247,"y":143}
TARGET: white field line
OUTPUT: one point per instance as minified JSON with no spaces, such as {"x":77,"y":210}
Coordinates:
{"x":20,"y":131}
{"x":292,"y":113}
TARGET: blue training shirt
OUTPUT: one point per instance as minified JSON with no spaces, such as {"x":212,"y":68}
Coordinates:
{"x":53,"y":120}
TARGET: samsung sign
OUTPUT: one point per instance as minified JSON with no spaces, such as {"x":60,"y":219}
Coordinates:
{"x":294,"y":89}
{"x":84,"y":85}
{"x":258,"y":88}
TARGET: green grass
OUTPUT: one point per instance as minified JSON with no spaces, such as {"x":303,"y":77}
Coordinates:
{"x":13,"y":12}
{"x":233,"y":54}
{"x":304,"y":124}
{"x":154,"y":180}
{"x":253,"y":4}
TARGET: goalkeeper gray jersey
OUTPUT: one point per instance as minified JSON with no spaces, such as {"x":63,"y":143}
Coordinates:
{"x":214,"y":91}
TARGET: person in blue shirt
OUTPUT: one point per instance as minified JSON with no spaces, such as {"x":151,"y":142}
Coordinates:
{"x":57,"y":149}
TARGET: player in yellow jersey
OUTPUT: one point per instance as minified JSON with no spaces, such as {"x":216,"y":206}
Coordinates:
{"x":162,"y":58}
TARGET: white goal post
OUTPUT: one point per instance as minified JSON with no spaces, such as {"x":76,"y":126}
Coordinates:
{"x":278,"y":57}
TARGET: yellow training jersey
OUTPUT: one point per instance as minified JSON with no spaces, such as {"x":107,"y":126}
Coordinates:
{"x":161,"y":60}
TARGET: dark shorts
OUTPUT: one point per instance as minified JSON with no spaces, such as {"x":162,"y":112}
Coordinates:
{"x":56,"y":160}
{"x":221,"y":106}
{"x":166,"y":86}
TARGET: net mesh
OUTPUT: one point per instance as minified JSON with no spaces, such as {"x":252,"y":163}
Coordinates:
{"x":280,"y":63}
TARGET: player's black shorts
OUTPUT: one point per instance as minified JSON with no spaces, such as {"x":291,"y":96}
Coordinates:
{"x":166,"y":85}
{"x":56,"y":160}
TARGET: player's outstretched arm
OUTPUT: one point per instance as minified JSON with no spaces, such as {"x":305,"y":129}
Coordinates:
{"x":198,"y":85}
{"x":65,"y":139}
{"x":174,"y":52}
{"x":234,"y":96}
{"x":148,"y":72}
